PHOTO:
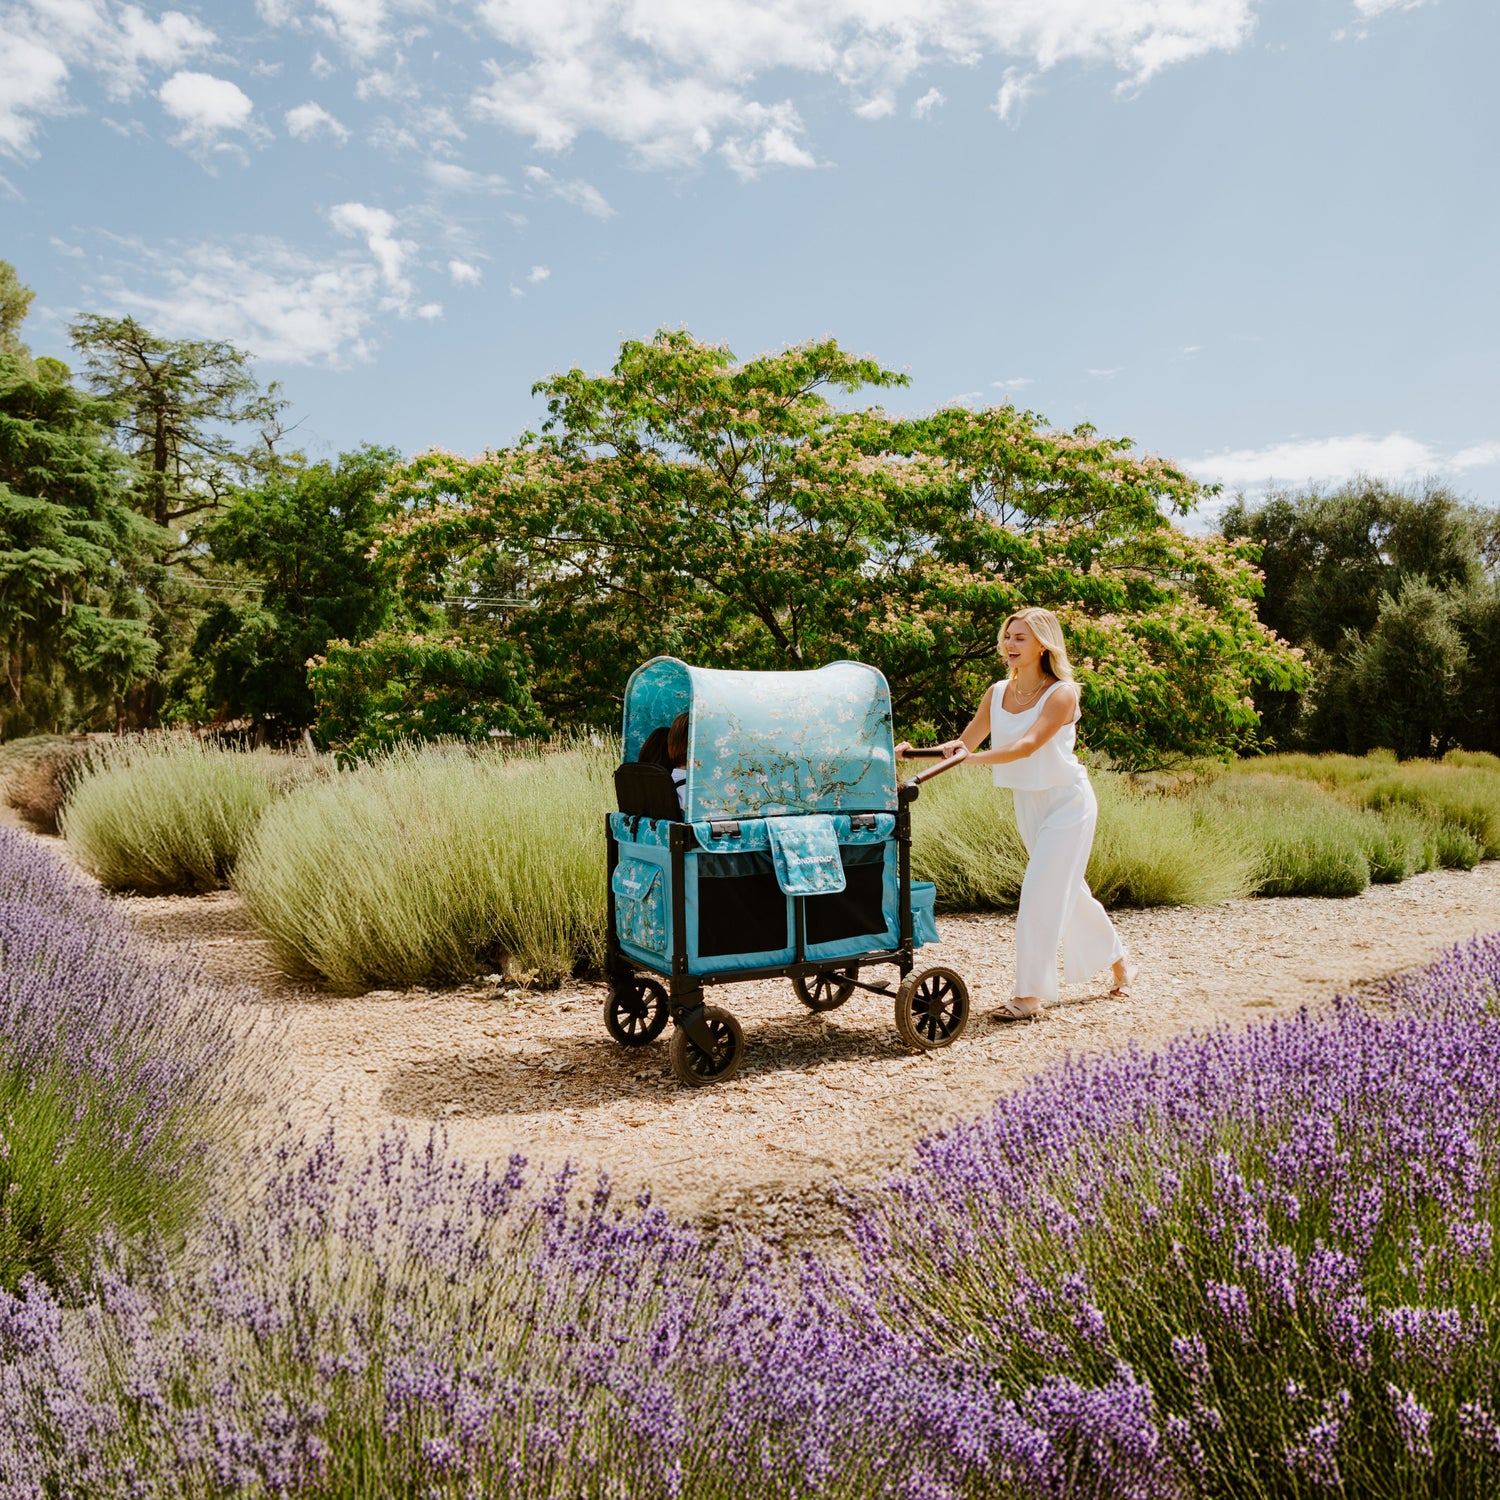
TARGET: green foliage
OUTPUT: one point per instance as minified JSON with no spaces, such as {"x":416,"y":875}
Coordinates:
{"x":430,"y":865}
{"x":72,"y":633}
{"x":170,"y":813}
{"x":178,"y":403}
{"x":731,"y":514}
{"x":1393,"y":595}
{"x":304,"y":536}
{"x":400,"y":686}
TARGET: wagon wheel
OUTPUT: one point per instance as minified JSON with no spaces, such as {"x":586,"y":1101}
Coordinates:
{"x":826,"y":990}
{"x":636,"y":1011}
{"x":695,"y":1067}
{"x":932,"y":1009}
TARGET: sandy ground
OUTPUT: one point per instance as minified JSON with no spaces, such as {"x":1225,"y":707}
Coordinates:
{"x":820,"y":1098}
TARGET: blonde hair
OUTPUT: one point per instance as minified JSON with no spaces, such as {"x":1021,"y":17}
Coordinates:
{"x":1045,"y":626}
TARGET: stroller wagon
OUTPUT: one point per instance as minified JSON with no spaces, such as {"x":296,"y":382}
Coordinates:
{"x":790,"y":855}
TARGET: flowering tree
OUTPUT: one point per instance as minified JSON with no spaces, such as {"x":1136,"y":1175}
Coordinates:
{"x":732,"y":514}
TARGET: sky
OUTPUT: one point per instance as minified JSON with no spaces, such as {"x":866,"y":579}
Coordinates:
{"x":1257,"y":236}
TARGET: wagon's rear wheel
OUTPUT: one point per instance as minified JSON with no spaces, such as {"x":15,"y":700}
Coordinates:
{"x":693,"y":1065}
{"x":825,"y":991}
{"x":932,"y":1009}
{"x":636,"y":1011}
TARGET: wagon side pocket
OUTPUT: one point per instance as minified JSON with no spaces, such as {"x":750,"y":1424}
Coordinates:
{"x":641,"y":905}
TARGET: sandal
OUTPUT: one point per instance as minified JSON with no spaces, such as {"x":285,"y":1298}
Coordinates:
{"x":1122,"y":991}
{"x":1015,"y":1010}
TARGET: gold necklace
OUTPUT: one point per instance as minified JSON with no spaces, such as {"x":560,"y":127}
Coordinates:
{"x":1027,"y":700}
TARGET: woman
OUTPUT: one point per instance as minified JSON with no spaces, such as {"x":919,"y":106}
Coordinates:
{"x":1030,"y":719}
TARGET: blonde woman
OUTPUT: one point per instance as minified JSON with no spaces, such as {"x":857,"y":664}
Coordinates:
{"x":1030,"y":719}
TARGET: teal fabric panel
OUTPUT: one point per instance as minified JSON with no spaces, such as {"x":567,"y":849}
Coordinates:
{"x":641,"y":904}
{"x":771,"y":744}
{"x":805,"y":852}
{"x":924,"y":927}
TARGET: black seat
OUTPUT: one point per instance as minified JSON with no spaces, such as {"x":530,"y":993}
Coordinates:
{"x":646,"y":791}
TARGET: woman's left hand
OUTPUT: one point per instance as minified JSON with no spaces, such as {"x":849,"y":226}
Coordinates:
{"x":950,"y":748}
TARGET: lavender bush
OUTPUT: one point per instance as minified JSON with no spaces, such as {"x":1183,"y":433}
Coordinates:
{"x":1253,"y":1264}
{"x":112,"y":1069}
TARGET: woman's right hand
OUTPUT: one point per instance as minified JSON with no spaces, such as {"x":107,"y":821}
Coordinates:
{"x":902,"y":748}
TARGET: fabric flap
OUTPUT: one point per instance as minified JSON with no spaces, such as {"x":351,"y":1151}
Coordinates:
{"x":634,"y":878}
{"x":805,"y":852}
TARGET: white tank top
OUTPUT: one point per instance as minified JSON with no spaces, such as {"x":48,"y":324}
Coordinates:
{"x":1049,"y":765}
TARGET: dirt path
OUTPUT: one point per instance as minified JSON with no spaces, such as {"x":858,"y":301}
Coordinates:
{"x":819,"y":1098}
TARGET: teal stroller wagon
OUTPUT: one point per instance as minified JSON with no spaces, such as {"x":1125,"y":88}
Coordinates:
{"x":787,"y":854}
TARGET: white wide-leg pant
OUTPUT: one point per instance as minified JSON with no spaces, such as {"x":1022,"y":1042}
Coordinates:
{"x":1057,"y":827}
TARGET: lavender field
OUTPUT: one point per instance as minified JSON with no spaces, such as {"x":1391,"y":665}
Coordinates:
{"x":1259,"y":1263}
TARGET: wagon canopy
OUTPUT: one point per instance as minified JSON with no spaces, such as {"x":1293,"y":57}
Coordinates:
{"x":769,"y":744}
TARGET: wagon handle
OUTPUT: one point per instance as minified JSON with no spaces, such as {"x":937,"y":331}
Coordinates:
{"x":937,"y":770}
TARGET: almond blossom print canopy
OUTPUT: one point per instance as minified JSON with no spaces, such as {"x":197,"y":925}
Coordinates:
{"x":771,"y":744}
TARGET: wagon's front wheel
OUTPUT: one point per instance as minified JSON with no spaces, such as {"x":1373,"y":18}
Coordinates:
{"x":825,"y":991}
{"x":932,"y":1009}
{"x":720,"y":1062}
{"x":635,"y":1011}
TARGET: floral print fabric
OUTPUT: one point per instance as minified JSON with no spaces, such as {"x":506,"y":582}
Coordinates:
{"x":641,"y":904}
{"x":768,"y":744}
{"x":805,"y":853}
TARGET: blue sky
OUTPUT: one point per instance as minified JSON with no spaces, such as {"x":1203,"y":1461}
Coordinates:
{"x":1257,"y":237}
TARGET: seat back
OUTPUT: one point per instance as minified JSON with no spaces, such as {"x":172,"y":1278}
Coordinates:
{"x":646,"y":791}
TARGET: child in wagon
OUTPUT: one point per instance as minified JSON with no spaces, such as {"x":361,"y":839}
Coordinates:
{"x":667,"y":747}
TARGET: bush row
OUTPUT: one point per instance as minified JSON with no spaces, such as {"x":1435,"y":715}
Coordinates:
{"x":430,"y":865}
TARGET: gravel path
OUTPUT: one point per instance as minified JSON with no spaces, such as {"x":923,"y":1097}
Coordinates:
{"x":820,"y":1097}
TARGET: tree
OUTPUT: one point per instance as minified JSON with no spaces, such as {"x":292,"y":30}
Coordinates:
{"x":15,"y":303}
{"x":72,"y":628}
{"x":404,"y":685}
{"x":1342,"y":570}
{"x":730,"y":513}
{"x":303,"y":539}
{"x":181,"y":405}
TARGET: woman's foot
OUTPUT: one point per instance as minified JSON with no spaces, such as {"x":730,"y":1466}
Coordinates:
{"x":1124,"y":975}
{"x":1022,"y":1008}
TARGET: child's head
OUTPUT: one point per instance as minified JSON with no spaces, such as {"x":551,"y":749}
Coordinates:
{"x":653,"y":751}
{"x":677,"y":740}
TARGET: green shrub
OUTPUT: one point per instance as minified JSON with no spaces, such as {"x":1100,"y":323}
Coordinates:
{"x":1478,"y":758}
{"x":1149,"y":849}
{"x":169,"y":813}
{"x":1464,"y":796}
{"x":1304,"y":841}
{"x":34,"y":775}
{"x":428,"y":865}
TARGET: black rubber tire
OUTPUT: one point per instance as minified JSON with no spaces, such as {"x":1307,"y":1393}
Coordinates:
{"x":697,"y":1068}
{"x":635,"y":1012}
{"x":826,"y":990}
{"x":932,"y":1009}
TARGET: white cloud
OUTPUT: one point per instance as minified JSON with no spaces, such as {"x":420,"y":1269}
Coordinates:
{"x":360,"y":27}
{"x":430,"y":310}
{"x":1015,"y":383}
{"x":44,"y":42}
{"x":662,"y":76}
{"x":464,"y":273}
{"x":931,"y":100}
{"x":456,"y":179}
{"x":1369,"y":8}
{"x":277,"y":302}
{"x":579,"y":193}
{"x":308,"y":119}
{"x":537,"y":273}
{"x":1106,"y":374}
{"x":1016,"y":87}
{"x":206,"y":106}
{"x":378,"y":230}
{"x":1329,"y":460}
